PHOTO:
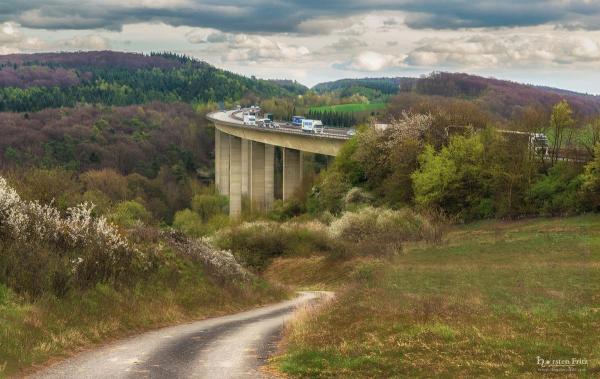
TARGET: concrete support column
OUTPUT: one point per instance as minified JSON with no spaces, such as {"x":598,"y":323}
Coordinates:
{"x":269,"y":176}
{"x":257,"y":175}
{"x":217,"y":160}
{"x":224,"y":164}
{"x":245,"y":167}
{"x":292,"y":172}
{"x":235,"y":176}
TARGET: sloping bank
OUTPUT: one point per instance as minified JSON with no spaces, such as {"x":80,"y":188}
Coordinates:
{"x":70,"y":282}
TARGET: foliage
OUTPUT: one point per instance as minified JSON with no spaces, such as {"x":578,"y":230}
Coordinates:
{"x":332,"y":118}
{"x":43,"y":250}
{"x":455,"y":179}
{"x":209,"y":205}
{"x":378,"y":231}
{"x":130,"y":213}
{"x":256,"y":243}
{"x":561,"y":120}
{"x":382,"y":161}
{"x":113,"y":78}
{"x":591,"y":181}
{"x":372,"y":88}
{"x":139,"y":139}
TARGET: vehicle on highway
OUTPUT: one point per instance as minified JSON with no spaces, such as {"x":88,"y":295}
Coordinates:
{"x":312,"y":126}
{"x":249,"y":119}
{"x":351,"y":132}
{"x":539,"y":143}
{"x":265,"y":123}
{"x":297,"y":120}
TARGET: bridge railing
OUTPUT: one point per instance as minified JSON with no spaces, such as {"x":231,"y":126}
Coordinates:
{"x":326,"y":134}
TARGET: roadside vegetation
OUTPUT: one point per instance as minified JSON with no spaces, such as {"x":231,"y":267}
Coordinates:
{"x":71,"y":278}
{"x":466,"y":174}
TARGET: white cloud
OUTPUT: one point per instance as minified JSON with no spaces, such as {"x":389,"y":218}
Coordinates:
{"x":531,"y":50}
{"x":12,"y":39}
{"x":372,"y":61}
{"x":242,"y":47}
{"x":346,"y":44}
{"x":88,"y":42}
{"x":207,"y":37}
{"x":247,"y":48}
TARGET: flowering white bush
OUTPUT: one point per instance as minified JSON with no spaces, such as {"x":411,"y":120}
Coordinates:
{"x":29,"y":222}
{"x":9,"y":198}
{"x":221,"y":263}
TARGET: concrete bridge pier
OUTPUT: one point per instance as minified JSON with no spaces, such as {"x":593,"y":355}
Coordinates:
{"x":292,"y":172}
{"x":247,"y":166}
{"x":235,"y":176}
{"x":223,"y":169}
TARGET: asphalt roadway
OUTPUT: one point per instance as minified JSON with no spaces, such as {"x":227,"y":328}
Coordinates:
{"x":234,"y":346}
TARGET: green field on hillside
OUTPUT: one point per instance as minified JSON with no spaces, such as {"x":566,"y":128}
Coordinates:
{"x":355,"y":108}
{"x":486,"y":302}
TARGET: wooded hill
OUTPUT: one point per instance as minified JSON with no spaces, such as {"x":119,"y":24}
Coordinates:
{"x":498,"y":97}
{"x":31,"y":82}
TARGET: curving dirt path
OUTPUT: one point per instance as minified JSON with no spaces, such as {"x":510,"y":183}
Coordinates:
{"x":233,"y":346}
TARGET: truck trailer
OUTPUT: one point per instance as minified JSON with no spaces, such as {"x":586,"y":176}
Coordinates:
{"x":312,"y":126}
{"x":297,"y":120}
{"x":249,"y":119}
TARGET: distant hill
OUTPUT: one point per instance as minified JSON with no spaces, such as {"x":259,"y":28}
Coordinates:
{"x":291,"y":86}
{"x":503,"y":97}
{"x":372,"y":88}
{"x":499,"y":97}
{"x":133,"y":139}
{"x":31,"y":82}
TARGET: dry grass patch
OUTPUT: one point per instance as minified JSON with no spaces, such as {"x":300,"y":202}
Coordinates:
{"x":478,"y":306}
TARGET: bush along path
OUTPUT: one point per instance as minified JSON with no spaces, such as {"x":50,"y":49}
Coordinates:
{"x":71,"y":280}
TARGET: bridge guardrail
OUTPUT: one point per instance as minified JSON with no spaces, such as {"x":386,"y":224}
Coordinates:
{"x":235,"y":116}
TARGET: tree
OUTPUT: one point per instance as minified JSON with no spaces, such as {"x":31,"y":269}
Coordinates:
{"x":454,"y":180}
{"x":591,"y":180}
{"x":589,"y":136}
{"x":561,"y":121}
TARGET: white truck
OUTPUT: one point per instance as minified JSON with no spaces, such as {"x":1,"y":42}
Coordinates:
{"x":312,"y":126}
{"x":265,"y":123}
{"x":249,"y":119}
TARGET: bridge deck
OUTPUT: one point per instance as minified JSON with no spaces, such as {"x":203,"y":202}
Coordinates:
{"x":232,"y":118}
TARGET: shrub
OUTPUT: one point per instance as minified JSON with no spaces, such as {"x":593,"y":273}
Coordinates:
{"x":207,"y":206}
{"x":57,"y":186}
{"x":41,"y":249}
{"x":219,"y":263}
{"x":285,"y":210}
{"x":189,"y":222}
{"x":381,"y":231}
{"x":130,"y":213}
{"x":256,"y":243}
{"x":558,"y":192}
{"x":591,"y":181}
{"x":454,"y":180}
{"x":108,"y":181}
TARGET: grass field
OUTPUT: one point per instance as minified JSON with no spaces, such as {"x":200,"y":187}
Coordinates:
{"x":487,"y":302}
{"x":355,"y":108}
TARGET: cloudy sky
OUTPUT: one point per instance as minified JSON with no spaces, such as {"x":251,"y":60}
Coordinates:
{"x":548,"y":42}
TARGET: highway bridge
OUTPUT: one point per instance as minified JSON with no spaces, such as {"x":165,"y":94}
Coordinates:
{"x":245,"y":158}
